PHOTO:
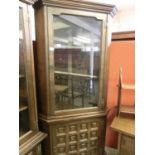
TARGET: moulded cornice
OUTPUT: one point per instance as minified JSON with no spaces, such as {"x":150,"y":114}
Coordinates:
{"x":79,"y":5}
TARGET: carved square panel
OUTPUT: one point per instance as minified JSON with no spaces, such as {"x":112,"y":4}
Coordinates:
{"x":93,"y":143}
{"x":72,"y":128}
{"x":61,"y":149}
{"x":94,"y":134}
{"x":73,"y":137}
{"x":83,"y":145}
{"x":61,"y":139}
{"x":73,"y":147}
{"x":84,"y":126}
{"x":61,"y":130}
{"x":94,"y":124}
{"x":83,"y":135}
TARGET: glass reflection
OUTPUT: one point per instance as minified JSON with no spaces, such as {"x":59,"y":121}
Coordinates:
{"x":76,"y":56}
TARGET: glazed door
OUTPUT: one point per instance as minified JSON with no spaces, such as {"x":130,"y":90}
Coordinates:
{"x":76,"y":60}
{"x":76,"y":73}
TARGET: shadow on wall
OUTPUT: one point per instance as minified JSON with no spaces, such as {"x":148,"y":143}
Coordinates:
{"x":122,"y":53}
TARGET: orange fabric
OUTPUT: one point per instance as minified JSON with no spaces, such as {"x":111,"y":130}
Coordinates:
{"x":122,"y":53}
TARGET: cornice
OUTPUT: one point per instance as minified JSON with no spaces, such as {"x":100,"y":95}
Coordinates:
{"x":79,"y":5}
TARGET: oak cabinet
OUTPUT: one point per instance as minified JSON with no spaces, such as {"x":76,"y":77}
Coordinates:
{"x":29,"y":135}
{"x":71,"y":70}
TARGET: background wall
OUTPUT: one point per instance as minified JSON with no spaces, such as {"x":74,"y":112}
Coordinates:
{"x":122,"y":53}
{"x":124,"y":20}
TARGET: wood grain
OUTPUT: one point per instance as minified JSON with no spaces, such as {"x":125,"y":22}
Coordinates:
{"x":80,"y":5}
{"x":32,"y":143}
{"x":124,"y":125}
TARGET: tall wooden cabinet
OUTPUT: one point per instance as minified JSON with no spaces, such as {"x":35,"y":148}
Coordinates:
{"x":71,"y":65}
{"x":29,"y":135}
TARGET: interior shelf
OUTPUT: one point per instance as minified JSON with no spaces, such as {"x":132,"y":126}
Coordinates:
{"x":76,"y":74}
{"x":21,"y":132}
{"x":22,"y":107}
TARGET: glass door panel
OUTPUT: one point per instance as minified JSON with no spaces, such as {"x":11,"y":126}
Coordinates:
{"x":23,"y":95}
{"x":77,"y":51}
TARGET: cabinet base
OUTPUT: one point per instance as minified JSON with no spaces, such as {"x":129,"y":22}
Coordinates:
{"x":81,"y":137}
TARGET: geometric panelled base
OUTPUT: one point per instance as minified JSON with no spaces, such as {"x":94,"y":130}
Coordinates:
{"x":81,"y":137}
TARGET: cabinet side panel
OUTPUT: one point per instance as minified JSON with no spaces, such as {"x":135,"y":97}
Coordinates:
{"x":45,"y":147}
{"x":41,"y":61}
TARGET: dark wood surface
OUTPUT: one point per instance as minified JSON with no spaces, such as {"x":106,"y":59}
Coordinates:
{"x":29,"y":68}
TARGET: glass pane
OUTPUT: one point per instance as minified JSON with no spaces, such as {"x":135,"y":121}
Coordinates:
{"x":76,"y":60}
{"x":23,"y":98}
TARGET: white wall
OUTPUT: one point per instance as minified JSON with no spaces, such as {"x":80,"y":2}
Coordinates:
{"x":124,"y":20}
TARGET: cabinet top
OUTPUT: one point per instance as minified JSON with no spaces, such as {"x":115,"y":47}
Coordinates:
{"x":85,"y":5}
{"x":28,"y":1}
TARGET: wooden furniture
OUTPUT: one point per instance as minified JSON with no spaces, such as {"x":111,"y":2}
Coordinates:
{"x":125,"y":110}
{"x":126,"y":129}
{"x":126,"y":35}
{"x":72,"y":39}
{"x":30,"y":137}
{"x":124,"y":122}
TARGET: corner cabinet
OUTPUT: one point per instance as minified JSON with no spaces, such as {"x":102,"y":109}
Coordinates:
{"x":29,"y":135}
{"x":71,"y":67}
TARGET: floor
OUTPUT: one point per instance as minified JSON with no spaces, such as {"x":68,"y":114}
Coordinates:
{"x":111,"y":151}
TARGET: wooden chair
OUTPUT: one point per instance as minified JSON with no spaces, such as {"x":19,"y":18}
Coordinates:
{"x":124,"y":109}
